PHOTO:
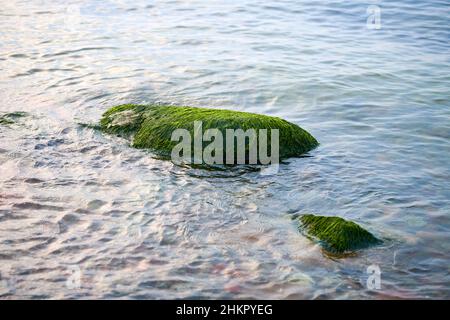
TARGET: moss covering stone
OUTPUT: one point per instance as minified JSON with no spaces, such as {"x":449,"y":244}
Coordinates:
{"x":10,"y":118}
{"x":151,"y":126}
{"x":337,"y":234}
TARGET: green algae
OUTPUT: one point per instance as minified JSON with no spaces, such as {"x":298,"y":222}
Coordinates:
{"x":336,"y":234}
{"x":10,"y":118}
{"x":151,"y":126}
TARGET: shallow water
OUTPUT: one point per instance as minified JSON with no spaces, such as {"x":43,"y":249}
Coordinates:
{"x":83,"y":215}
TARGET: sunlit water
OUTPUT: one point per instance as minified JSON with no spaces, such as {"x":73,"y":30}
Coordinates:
{"x":83,"y":215}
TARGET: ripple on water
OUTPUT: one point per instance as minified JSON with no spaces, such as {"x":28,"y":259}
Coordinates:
{"x":75,"y":201}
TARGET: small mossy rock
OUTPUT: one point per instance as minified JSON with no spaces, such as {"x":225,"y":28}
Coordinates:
{"x":337,"y":234}
{"x":10,"y":118}
{"x":151,"y":126}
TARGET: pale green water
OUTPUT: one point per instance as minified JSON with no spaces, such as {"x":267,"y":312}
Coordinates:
{"x":132,"y":226}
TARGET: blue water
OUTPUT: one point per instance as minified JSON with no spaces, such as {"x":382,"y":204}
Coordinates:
{"x":83,"y":215}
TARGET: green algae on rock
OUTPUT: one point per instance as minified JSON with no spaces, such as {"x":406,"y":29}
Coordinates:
{"x":151,"y":126}
{"x":337,"y":234}
{"x":11,"y":117}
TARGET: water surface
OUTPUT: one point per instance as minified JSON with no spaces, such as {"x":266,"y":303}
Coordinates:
{"x":83,"y":215}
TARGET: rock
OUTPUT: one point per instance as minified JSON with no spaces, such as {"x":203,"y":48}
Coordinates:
{"x":11,"y":117}
{"x":151,"y":126}
{"x":336,"y":234}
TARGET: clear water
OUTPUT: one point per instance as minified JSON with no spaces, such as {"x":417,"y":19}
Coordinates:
{"x":83,"y":215}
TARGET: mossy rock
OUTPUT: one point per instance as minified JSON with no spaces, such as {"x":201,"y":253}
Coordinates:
{"x":336,"y":234}
{"x":10,"y":118}
{"x":151,"y":126}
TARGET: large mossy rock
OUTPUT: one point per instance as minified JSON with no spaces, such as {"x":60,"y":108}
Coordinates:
{"x":151,"y":126}
{"x":336,"y":234}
